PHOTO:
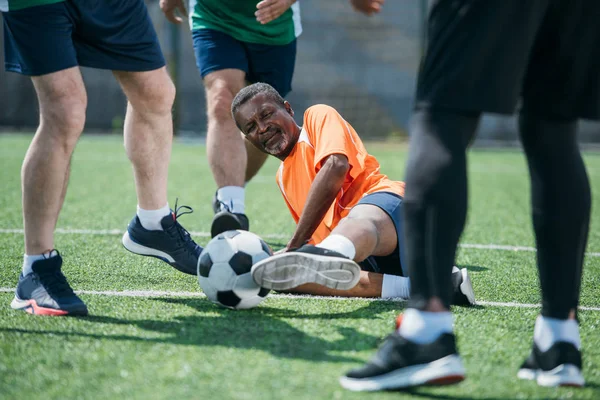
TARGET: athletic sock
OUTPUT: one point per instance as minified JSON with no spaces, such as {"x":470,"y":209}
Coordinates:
{"x":551,"y":330}
{"x":232,"y":199}
{"x":424,"y":327}
{"x":339,"y":243}
{"x":29,"y":259}
{"x":395,"y":286}
{"x":150,"y":219}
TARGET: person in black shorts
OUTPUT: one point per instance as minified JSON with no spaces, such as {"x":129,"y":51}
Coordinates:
{"x":48,"y":40}
{"x":481,"y":56}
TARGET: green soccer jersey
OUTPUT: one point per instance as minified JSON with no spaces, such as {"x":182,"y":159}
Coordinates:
{"x":236,"y":18}
{"x":12,"y":5}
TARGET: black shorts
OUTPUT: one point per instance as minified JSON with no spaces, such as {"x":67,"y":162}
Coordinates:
{"x":482,"y":55}
{"x":272,"y":64}
{"x":108,"y":34}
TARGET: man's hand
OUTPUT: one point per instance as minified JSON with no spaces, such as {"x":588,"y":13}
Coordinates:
{"x":268,"y":10}
{"x":170,"y":8}
{"x":367,"y":6}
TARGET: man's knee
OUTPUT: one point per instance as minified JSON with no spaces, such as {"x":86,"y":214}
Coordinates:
{"x":219,"y":98}
{"x":62,"y":110}
{"x":152,"y":92}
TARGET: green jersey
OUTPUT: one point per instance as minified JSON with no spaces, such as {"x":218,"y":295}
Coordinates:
{"x":236,"y":18}
{"x":11,"y":5}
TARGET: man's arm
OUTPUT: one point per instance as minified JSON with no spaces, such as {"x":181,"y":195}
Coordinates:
{"x":322,"y":193}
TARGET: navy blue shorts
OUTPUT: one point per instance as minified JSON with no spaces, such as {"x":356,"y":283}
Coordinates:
{"x":272,"y":64}
{"x":106,"y":34}
{"x":393,"y":264}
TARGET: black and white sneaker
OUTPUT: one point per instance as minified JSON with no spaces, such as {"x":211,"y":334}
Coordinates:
{"x":225,"y":220}
{"x":173,"y":244}
{"x":560,"y":365}
{"x":307,"y":264}
{"x":46,"y":291}
{"x":463,"y":289}
{"x":400,"y":363}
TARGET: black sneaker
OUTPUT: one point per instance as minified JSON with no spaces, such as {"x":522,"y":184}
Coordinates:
{"x":307,"y":264}
{"x":560,"y":365}
{"x":463,"y":289}
{"x":46,"y":291}
{"x":400,"y":363}
{"x":225,"y":221}
{"x":173,"y":244}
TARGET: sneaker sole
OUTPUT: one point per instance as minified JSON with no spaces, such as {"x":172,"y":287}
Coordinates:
{"x":563,"y":375}
{"x":31,"y":307}
{"x":290,"y":270}
{"x":223,"y":222}
{"x":141,"y":250}
{"x":445,"y":371}
{"x":466,"y":287}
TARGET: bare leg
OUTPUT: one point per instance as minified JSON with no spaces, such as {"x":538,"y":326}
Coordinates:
{"x":149,"y":132}
{"x":372,"y":232}
{"x":224,"y":146}
{"x":45,"y":173}
{"x":256,"y":159}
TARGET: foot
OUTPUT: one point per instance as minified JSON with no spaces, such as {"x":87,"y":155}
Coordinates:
{"x":227,"y":221}
{"x":46,"y":291}
{"x":463,"y":289}
{"x":560,"y":365}
{"x":173,"y":244}
{"x":400,"y":363}
{"x":307,"y":264}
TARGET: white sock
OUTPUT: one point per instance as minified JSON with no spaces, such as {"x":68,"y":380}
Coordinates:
{"x":548,"y":331}
{"x":423,"y":326}
{"x":150,"y":219}
{"x":395,"y":286}
{"x":28,"y":260}
{"x":339,"y":243}
{"x":233,"y":198}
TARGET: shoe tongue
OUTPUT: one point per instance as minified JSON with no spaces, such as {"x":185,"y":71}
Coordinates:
{"x":47,"y":265}
{"x":168,"y":221}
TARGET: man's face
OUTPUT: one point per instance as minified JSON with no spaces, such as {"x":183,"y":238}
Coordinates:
{"x":268,"y":126}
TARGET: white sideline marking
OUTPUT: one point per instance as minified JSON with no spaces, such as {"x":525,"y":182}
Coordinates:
{"x":159,"y":293}
{"x":70,"y":231}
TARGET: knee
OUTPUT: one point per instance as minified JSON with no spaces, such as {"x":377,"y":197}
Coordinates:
{"x":62,"y":115}
{"x":154,"y":96}
{"x":219,"y":98}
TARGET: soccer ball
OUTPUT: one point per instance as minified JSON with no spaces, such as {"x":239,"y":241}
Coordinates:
{"x":224,"y":269}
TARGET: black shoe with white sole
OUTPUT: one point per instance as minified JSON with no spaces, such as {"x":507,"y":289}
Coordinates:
{"x":307,"y":264}
{"x":560,"y":365}
{"x":173,"y":244}
{"x":400,"y":363}
{"x":463,"y":289}
{"x":225,"y":221}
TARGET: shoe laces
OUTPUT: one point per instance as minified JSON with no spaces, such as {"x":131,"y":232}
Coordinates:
{"x":182,"y":233}
{"x":55,"y":283}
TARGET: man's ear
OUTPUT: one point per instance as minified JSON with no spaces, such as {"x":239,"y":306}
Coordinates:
{"x":288,"y":107}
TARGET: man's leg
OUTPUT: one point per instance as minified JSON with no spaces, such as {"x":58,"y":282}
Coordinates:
{"x":561,"y":224}
{"x":327,"y":269}
{"x":225,"y":149}
{"x":45,"y":174}
{"x":148,"y":138}
{"x":255,"y":161}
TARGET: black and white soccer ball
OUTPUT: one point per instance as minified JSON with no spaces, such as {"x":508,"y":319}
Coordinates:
{"x":224,"y":269}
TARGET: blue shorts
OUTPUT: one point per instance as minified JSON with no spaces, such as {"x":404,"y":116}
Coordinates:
{"x":393,"y":264}
{"x":106,"y":34}
{"x":272,"y":64}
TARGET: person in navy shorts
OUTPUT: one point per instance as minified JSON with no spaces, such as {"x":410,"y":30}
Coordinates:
{"x":49,"y":40}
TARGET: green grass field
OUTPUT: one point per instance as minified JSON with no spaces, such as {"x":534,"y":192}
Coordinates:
{"x":151,"y":334}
